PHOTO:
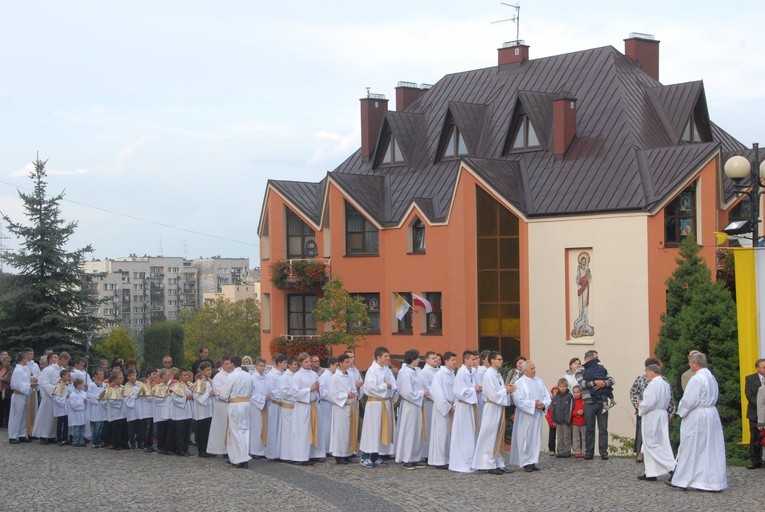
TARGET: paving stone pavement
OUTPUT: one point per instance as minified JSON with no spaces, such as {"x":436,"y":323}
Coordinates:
{"x":53,"y":478}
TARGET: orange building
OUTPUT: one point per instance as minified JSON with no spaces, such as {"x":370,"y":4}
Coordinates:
{"x":538,"y":205}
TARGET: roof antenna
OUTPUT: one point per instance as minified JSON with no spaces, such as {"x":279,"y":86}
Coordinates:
{"x":516,"y":19}
{"x":367,"y":88}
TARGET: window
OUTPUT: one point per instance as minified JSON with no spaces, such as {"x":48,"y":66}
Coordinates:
{"x":404,"y":326}
{"x":298,"y":233}
{"x":265,"y":246}
{"x":360,"y":234}
{"x":372,"y":300}
{"x":742,"y":211}
{"x":455,"y":145}
{"x":392,"y":154}
{"x":433,"y":319}
{"x":691,"y":131}
{"x":300,"y":319}
{"x":680,"y":217}
{"x":418,"y":237}
{"x":265,"y":312}
{"x":524,"y":136}
{"x":499,"y":280}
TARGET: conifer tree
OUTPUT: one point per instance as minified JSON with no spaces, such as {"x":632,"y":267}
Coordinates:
{"x":49,"y":302}
{"x":701,"y":315}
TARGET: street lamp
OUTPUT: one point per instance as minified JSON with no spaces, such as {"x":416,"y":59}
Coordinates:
{"x":738,"y":168}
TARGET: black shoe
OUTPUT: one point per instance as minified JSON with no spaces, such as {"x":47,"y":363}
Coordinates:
{"x":754,"y":465}
{"x":506,"y":470}
{"x":316,"y":459}
{"x":349,"y":460}
{"x":409,"y":465}
{"x":647,"y":478}
{"x":669,"y":483}
{"x":184,"y":454}
{"x":148,"y":450}
{"x":420,"y":464}
{"x":206,"y":455}
{"x":24,"y":440}
{"x":496,"y":471}
{"x":528,"y":468}
{"x":304,"y":463}
{"x":341,"y":461}
{"x":444,"y":466}
{"x":604,"y":456}
{"x":588,"y":457}
{"x":243,"y":465}
{"x":563,"y":456}
{"x":44,"y":441}
{"x":707,"y":490}
{"x":13,"y":441}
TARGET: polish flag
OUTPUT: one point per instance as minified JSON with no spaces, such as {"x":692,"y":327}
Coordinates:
{"x":422,"y":302}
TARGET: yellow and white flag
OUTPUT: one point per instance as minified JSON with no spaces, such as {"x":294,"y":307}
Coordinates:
{"x":750,"y":308}
{"x":402,"y":306}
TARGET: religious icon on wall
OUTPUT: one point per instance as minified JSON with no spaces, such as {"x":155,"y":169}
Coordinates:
{"x":582,"y":281}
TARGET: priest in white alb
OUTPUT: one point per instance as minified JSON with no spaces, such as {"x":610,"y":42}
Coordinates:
{"x":465,"y":425}
{"x":657,"y":452}
{"x":288,"y":408}
{"x":377,"y":432}
{"x":304,"y":389}
{"x":531,"y":400}
{"x":275,"y":407}
{"x":491,"y":436}
{"x":45,"y":424}
{"x":325,"y":406}
{"x":426,"y":376}
{"x":701,"y":455}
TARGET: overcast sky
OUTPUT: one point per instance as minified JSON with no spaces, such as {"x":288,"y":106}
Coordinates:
{"x":177,"y":112}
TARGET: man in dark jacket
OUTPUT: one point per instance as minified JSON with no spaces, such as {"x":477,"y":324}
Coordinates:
{"x":751,"y":387}
{"x":596,"y":385}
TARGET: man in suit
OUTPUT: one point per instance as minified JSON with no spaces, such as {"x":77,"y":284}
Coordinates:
{"x":751,"y":387}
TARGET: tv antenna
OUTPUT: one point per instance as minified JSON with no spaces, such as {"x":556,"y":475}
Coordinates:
{"x":515,"y":19}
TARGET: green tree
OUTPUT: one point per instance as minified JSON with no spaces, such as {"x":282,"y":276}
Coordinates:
{"x":161,"y":339}
{"x":119,"y":343}
{"x":347,"y":315}
{"x":701,"y":315}
{"x":226,"y":327}
{"x":49,"y":303}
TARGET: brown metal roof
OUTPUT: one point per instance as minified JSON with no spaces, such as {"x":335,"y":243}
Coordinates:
{"x":626,"y":155}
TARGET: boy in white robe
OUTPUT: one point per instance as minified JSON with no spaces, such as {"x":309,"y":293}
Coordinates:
{"x":491,"y":436}
{"x":531,"y":400}
{"x":657,"y":452}
{"x":409,"y":423}
{"x":701,"y":455}
{"x":377,"y":433}
{"x":60,"y":394}
{"x":426,"y":376}
{"x":45,"y":423}
{"x":204,"y":402}
{"x":275,"y":407}
{"x":96,"y":408}
{"x":288,"y":408}
{"x":442,"y":392}
{"x":342,"y":394}
{"x":325,"y":406}
{"x":236,"y":393}
{"x":77,"y":412}
{"x":465,"y":424}
{"x":22,"y":384}
{"x":216,"y":441}
{"x":259,"y":405}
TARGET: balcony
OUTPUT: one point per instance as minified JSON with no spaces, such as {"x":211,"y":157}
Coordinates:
{"x":300,"y":274}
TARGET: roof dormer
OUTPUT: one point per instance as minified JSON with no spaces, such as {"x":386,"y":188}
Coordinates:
{"x":463,"y":129}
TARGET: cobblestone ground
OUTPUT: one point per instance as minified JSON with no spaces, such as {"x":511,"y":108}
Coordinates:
{"x":53,"y":478}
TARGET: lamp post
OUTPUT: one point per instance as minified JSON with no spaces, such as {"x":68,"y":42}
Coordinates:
{"x":738,"y":168}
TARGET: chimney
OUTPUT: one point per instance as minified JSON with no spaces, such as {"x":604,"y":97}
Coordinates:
{"x":407,"y":93}
{"x":644,"y":49}
{"x":564,"y":123}
{"x":373,"y":109}
{"x":512,"y":52}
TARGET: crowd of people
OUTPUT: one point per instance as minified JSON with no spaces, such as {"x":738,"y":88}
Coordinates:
{"x":446,"y":413}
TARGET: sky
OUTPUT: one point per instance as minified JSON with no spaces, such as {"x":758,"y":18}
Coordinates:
{"x":163,"y":121}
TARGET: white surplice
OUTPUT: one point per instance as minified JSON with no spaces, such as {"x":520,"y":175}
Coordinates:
{"x":340,"y":385}
{"x":462,"y":443}
{"x":76,"y":407}
{"x":442,"y":393}
{"x":274,"y":414}
{"x":305,"y":399}
{"x":258,"y":405}
{"x":701,"y":455}
{"x":237,"y":386}
{"x":376,"y":387}
{"x":480,"y":372}
{"x":426,"y":376}
{"x":216,"y":441}
{"x":527,"y":428}
{"x":496,"y":398}
{"x":657,"y":452}
{"x":409,"y":424}
{"x":45,"y":422}
{"x":22,"y":388}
